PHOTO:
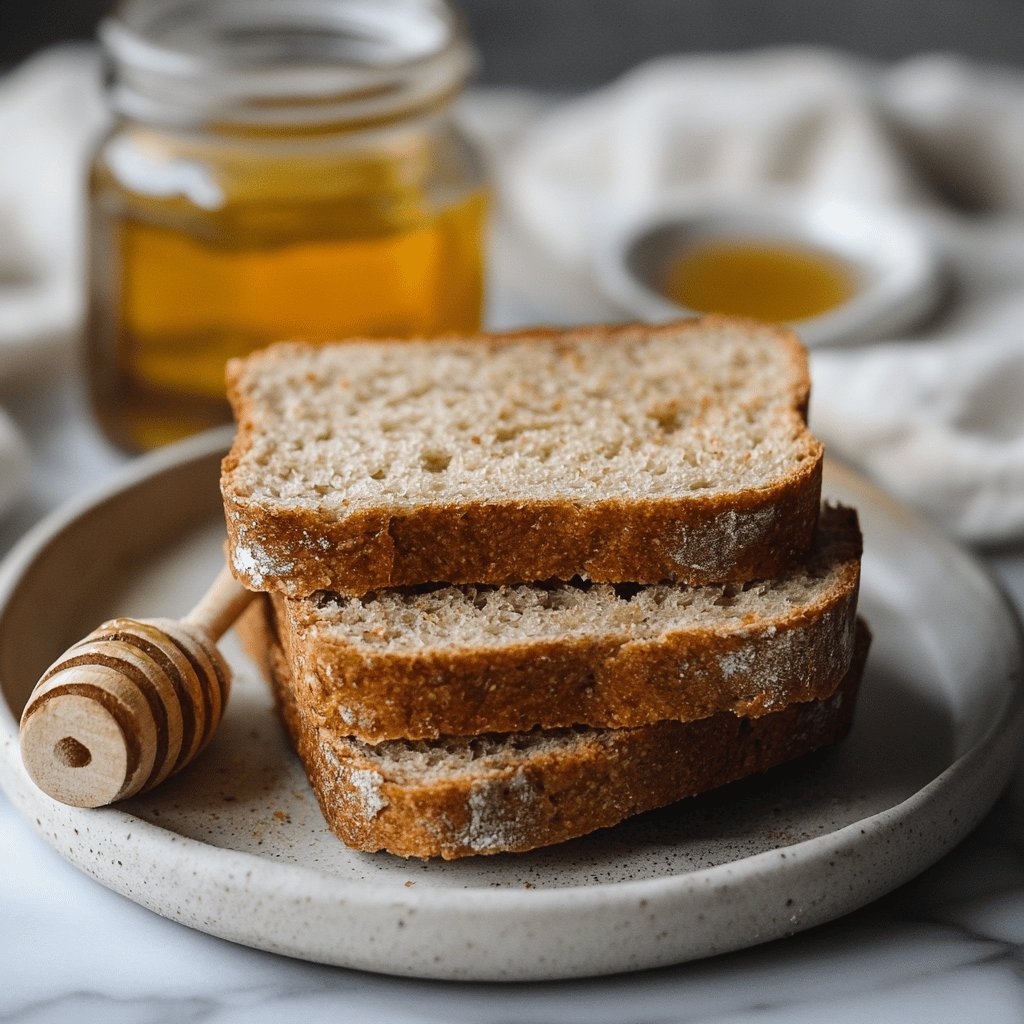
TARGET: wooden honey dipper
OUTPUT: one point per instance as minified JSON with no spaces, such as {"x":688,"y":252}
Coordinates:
{"x":132,"y":703}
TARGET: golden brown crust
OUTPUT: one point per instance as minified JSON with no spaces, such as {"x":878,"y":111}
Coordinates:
{"x":558,"y":793}
{"x":748,"y":667}
{"x":733,"y":538}
{"x":692,"y":538}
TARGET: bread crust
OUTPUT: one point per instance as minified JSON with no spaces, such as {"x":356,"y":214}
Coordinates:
{"x":693,"y":538}
{"x":597,"y":780}
{"x":750,"y":667}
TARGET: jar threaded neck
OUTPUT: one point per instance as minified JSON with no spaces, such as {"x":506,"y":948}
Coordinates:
{"x":282,"y":64}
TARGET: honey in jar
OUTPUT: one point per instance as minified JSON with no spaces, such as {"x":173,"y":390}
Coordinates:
{"x":772,"y":281}
{"x":275,"y":170}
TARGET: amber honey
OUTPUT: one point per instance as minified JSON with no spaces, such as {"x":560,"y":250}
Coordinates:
{"x":247,"y":210}
{"x":765,"y":280}
{"x":312,"y":258}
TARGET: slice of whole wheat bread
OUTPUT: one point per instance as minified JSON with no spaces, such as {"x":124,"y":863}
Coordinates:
{"x":461,"y":660}
{"x":513,"y":792}
{"x":670,"y":453}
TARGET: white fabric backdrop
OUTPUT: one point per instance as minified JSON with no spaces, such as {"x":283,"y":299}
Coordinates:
{"x":936,"y":416}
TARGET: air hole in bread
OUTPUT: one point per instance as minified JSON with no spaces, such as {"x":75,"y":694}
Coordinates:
{"x":730,"y":592}
{"x":577,"y":583}
{"x":667,"y":415}
{"x":435,"y":460}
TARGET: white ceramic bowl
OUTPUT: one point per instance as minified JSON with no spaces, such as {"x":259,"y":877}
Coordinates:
{"x":895,"y":265}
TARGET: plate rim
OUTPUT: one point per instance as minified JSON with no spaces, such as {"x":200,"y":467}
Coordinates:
{"x":1003,"y":730}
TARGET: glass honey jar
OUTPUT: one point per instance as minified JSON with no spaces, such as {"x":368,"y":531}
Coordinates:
{"x":276,"y":169}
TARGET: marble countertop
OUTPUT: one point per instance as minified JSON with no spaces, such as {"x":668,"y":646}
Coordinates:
{"x":949,"y":946}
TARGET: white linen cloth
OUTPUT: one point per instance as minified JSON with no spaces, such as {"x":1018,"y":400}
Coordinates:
{"x":50,"y":109}
{"x":936,"y":417}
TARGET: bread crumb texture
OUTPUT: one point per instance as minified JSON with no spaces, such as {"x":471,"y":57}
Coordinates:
{"x":590,"y":417}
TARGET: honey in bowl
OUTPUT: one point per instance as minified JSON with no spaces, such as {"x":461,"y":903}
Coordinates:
{"x":773,"y":281}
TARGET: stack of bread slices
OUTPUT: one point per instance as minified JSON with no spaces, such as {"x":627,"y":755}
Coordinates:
{"x":520,"y":587}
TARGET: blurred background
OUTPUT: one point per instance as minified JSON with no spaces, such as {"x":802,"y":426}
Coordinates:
{"x":937,"y":142}
{"x":577,"y":44}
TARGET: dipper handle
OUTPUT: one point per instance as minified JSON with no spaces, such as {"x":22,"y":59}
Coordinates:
{"x":132,"y":703}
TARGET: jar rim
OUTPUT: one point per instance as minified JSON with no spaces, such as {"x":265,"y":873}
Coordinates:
{"x":282,"y":63}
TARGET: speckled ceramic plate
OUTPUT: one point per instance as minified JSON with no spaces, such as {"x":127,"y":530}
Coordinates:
{"x":235,"y":846}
